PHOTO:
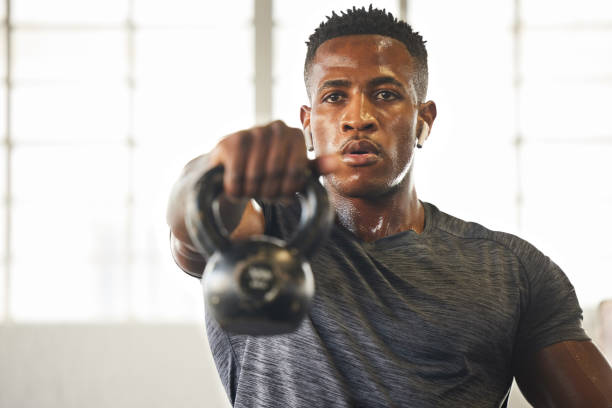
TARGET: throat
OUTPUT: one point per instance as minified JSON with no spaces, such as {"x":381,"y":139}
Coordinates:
{"x":373,"y":222}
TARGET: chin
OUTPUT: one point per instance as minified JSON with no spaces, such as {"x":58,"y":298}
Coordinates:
{"x":357,"y":187}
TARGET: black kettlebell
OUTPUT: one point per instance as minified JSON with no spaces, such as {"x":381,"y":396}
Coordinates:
{"x":261,"y":285}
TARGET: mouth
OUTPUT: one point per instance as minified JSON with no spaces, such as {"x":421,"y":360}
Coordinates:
{"x":361,"y":152}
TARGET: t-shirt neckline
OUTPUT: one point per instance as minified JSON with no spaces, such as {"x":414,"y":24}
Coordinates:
{"x":398,"y":238}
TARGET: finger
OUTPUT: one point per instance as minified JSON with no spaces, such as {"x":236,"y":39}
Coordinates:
{"x":256,"y":162}
{"x":234,"y":161}
{"x":296,"y":169}
{"x":276,"y":162}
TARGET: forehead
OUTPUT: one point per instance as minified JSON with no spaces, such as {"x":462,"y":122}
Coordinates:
{"x":362,"y":56}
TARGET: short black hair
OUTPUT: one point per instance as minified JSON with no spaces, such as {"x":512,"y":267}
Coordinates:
{"x":372,"y":21}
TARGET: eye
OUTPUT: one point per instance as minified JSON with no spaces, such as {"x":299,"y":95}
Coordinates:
{"x":385,"y":95}
{"x":333,"y":97}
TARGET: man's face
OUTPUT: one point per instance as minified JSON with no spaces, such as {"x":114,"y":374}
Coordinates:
{"x":364,"y":107}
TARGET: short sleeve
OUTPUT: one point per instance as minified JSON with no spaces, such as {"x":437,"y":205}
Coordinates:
{"x":550,"y":312}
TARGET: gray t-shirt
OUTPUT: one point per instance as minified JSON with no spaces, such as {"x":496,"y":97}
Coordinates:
{"x":437,"y":319}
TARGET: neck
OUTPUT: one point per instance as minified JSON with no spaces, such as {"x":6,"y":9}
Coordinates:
{"x":374,"y":218}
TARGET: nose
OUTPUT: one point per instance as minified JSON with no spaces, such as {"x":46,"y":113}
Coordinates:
{"x":359,"y":116}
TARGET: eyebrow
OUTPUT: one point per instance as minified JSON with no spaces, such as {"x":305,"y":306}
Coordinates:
{"x":334,"y":83}
{"x":344,"y":83}
{"x":386,"y":80}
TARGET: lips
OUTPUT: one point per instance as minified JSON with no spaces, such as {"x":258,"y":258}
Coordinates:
{"x":362,"y":146}
{"x":358,"y":153}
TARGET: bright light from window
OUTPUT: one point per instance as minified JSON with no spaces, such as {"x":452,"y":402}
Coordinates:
{"x":106,"y":107}
{"x":104,"y":115}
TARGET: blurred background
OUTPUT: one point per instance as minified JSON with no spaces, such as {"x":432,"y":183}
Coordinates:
{"x":103,"y":102}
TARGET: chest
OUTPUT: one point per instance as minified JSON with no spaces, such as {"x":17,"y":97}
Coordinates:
{"x":421,"y":304}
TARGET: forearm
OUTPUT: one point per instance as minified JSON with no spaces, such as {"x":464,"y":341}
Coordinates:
{"x":187,"y":257}
{"x":265,"y":162}
{"x":175,"y":214}
{"x":231,"y":211}
{"x":182,"y":248}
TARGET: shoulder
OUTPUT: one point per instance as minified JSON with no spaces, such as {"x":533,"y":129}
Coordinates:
{"x":530,"y":258}
{"x":549,"y":308}
{"x":454,"y":227}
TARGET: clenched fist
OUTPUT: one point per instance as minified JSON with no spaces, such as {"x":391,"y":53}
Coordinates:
{"x":266,"y":161}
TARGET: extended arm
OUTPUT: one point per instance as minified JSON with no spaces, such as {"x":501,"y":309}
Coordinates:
{"x":567,"y":375}
{"x":239,"y":217}
{"x":266,"y":162}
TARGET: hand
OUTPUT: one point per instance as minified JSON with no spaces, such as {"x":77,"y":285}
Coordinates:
{"x":267,"y":162}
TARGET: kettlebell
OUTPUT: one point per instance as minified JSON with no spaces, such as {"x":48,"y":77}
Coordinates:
{"x":261,"y":285}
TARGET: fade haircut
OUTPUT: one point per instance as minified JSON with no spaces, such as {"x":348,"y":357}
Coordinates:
{"x":372,"y":21}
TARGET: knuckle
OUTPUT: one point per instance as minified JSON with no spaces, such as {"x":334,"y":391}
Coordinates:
{"x":261,"y":140}
{"x":265,"y":138}
{"x":236,"y":141}
{"x":256,"y":131}
{"x":277,"y":125}
{"x":245,"y":140}
{"x":233,"y":138}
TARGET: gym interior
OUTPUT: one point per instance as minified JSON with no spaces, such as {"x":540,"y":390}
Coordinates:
{"x":103,"y":102}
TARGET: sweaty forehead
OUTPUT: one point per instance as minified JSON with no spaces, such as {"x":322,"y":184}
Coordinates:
{"x":361,"y":54}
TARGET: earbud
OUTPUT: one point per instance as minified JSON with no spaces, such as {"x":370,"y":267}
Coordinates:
{"x":308,"y":139}
{"x":423,"y":135}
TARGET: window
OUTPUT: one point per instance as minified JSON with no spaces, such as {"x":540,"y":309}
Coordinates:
{"x":107,"y":101}
{"x":103,"y":102}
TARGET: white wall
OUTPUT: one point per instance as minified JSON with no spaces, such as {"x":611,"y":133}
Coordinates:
{"x":106,"y":365}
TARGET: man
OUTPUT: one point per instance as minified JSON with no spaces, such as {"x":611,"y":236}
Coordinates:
{"x":413,"y":307}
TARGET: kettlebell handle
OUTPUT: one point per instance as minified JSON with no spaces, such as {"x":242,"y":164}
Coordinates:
{"x":203,"y":221}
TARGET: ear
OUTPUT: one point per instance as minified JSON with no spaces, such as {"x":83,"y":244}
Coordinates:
{"x":305,"y":118}
{"x":426,"y":116}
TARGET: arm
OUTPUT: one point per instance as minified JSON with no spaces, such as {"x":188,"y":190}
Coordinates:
{"x":241,"y":218}
{"x":566,"y":375}
{"x":248,"y":221}
{"x":266,"y":162}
